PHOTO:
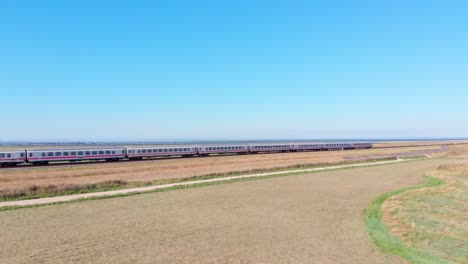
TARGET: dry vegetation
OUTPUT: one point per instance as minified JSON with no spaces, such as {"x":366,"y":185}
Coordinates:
{"x":42,"y":181}
{"x":309,"y":218}
{"x":434,"y":220}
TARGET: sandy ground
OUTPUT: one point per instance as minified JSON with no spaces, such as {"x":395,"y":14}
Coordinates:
{"x":312,"y":218}
{"x":150,"y":170}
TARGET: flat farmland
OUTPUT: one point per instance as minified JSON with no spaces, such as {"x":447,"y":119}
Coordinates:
{"x":163,"y":169}
{"x":308,"y":218}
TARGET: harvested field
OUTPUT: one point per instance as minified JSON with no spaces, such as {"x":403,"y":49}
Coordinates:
{"x":161,"y":169}
{"x":311,"y":218}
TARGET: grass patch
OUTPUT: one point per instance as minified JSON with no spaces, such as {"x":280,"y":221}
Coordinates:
{"x":52,"y":190}
{"x":389,"y":243}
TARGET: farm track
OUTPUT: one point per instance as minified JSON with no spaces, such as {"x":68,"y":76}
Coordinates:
{"x":81,"y":163}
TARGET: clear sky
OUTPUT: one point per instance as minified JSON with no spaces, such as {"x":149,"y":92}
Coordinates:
{"x":137,"y":70}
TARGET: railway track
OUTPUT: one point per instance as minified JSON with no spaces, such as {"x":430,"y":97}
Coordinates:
{"x":80,"y":163}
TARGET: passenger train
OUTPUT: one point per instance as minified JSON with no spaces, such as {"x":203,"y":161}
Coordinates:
{"x":44,"y":156}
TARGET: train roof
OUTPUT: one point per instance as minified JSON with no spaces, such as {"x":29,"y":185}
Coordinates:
{"x":71,"y":149}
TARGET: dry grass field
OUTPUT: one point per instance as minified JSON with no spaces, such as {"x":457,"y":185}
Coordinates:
{"x":308,"y":218}
{"x":434,"y":220}
{"x":62,"y":177}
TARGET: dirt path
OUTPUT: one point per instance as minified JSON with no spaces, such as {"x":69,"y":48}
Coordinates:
{"x":309,"y":218}
{"x":68,"y":198}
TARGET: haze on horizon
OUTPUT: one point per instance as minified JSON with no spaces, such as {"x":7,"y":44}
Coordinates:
{"x":139,"y":70}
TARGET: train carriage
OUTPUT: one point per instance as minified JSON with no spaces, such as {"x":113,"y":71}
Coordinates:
{"x":304,"y":146}
{"x":12,"y":157}
{"x":280,"y":147}
{"x":139,"y":152}
{"x":362,"y":145}
{"x":337,"y":146}
{"x":222,"y":149}
{"x":44,"y":156}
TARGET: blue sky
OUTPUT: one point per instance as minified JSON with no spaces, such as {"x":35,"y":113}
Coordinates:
{"x":136,"y":70}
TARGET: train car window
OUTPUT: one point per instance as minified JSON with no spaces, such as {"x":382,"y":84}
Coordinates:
{"x":22,"y":155}
{"x":94,"y":152}
{"x":58,"y":154}
{"x":143,"y":151}
{"x":73,"y":153}
{"x":101,"y":152}
{"x":155,"y":150}
{"x":80,"y":153}
{"x":65,"y":153}
{"x":108,"y":152}
{"x":2,"y":155}
{"x":43,"y":154}
{"x":87,"y":152}
{"x":149,"y":151}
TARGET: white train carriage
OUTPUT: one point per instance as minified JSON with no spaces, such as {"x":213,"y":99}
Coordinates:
{"x":304,"y":146}
{"x":44,"y":156}
{"x":12,"y":157}
{"x":277,"y":147}
{"x":222,"y":149}
{"x":337,"y":146}
{"x":139,"y":152}
{"x":362,"y":145}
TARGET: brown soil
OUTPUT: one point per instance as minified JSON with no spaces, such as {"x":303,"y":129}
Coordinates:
{"x":313,"y":218}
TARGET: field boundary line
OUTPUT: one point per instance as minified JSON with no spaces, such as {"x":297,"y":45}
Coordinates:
{"x":73,"y":197}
